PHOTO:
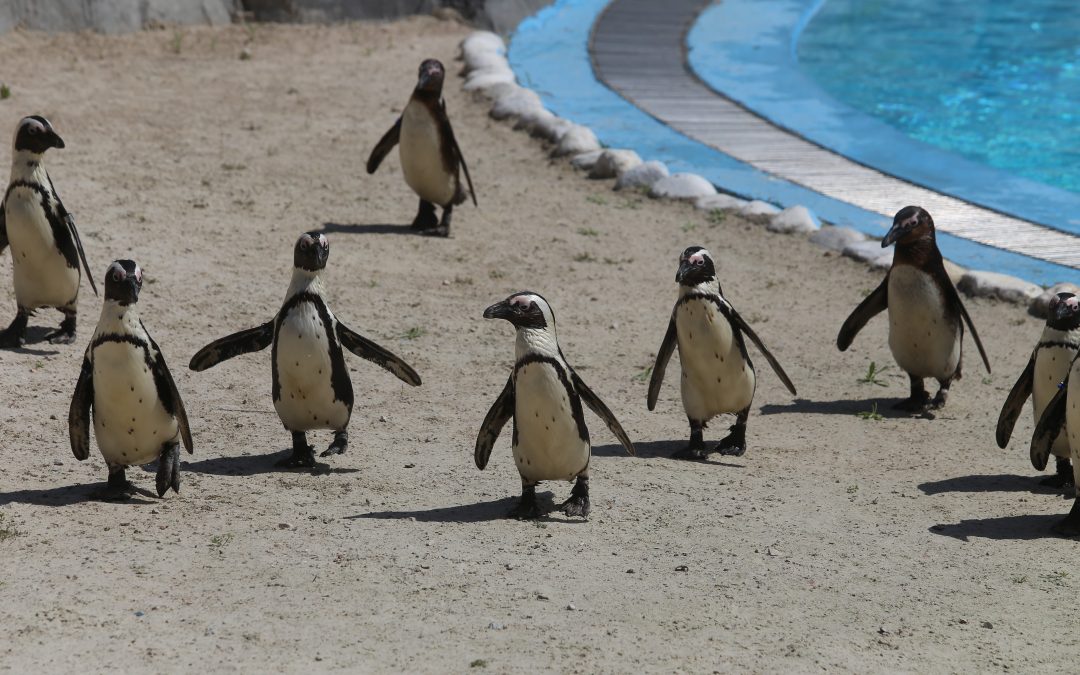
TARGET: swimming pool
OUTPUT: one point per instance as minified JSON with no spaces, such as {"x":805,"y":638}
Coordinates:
{"x":995,"y":81}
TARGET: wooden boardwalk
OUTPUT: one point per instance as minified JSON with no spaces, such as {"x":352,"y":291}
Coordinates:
{"x":637,"y":49}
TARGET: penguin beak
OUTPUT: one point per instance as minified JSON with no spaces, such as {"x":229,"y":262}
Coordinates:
{"x":897,"y":231}
{"x":1062,"y":311}
{"x":500,"y":310}
{"x":55,"y":140}
{"x":684,"y":269}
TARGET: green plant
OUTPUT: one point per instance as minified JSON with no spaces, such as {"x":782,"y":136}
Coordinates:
{"x":479,"y":663}
{"x":219,"y":541}
{"x":643,"y":376}
{"x":689,"y":227}
{"x":177,"y":43}
{"x":584,"y":257}
{"x":596,"y":199}
{"x":5,"y":92}
{"x":413,"y":333}
{"x":588,"y":232}
{"x":871,"y":414}
{"x":7,"y":530}
{"x":872,"y":374}
{"x":717,"y":216}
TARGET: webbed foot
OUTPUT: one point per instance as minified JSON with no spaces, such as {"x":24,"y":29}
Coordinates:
{"x":65,"y":334}
{"x":14,"y":335}
{"x":527,"y":508}
{"x":339,"y":444}
{"x":578,"y":504}
{"x":437,"y":231}
{"x":118,"y":489}
{"x":695,"y":450}
{"x":1069,"y":526}
{"x":168,"y":471}
{"x":1063,"y":474}
{"x":734,"y":444}
{"x":914,"y":403}
{"x":303,"y":455}
{"x":425,"y":217}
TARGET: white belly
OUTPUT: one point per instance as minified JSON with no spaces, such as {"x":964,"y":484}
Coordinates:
{"x":548,"y":446}
{"x":1072,"y":421}
{"x":42,"y":276}
{"x":924,"y":341}
{"x":421,"y":160}
{"x":303,"y":366}
{"x":129,"y":421}
{"x":1051,"y":366}
{"x":716,"y":378}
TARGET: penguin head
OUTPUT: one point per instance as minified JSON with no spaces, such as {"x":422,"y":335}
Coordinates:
{"x":311,"y":251}
{"x":430,"y":77}
{"x":35,"y":134}
{"x":524,"y":309}
{"x":695,"y":267}
{"x":123,"y":281}
{"x":1064,"y":312}
{"x":910,"y":224}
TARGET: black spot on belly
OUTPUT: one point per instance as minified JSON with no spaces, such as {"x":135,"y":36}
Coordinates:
{"x":130,"y":431}
{"x":133,"y":388}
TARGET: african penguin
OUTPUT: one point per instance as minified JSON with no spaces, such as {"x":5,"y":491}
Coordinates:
{"x":926,"y":315}
{"x":138,"y":414}
{"x":430,"y":157}
{"x":311,"y":388}
{"x":543,"y":394}
{"x":1048,"y":366}
{"x":1062,"y":417}
{"x":717,"y":375}
{"x":45,"y":246}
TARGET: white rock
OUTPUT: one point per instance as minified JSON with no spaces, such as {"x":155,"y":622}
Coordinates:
{"x":482,"y":41}
{"x":955,"y":272}
{"x":836,"y":238}
{"x":484,"y":80}
{"x":682,"y":186}
{"x":758,"y":208}
{"x":869,"y":251}
{"x":484,"y":60}
{"x":586,"y":160}
{"x":499,"y":89}
{"x":551,"y":128}
{"x":794,"y":219}
{"x":514,"y":103}
{"x":613,"y":163}
{"x":1040,"y":306}
{"x":642,"y":175}
{"x":719,"y":201}
{"x":529,"y":119}
{"x":576,"y":140}
{"x":996,"y":285}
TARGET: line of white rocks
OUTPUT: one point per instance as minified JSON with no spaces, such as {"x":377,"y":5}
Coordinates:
{"x":488,"y":73}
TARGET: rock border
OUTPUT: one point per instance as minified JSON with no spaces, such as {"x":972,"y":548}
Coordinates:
{"x":487,"y":72}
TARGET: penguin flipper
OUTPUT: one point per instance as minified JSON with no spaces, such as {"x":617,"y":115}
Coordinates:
{"x":736,"y":320}
{"x":501,"y":411}
{"x":167,"y":392}
{"x":967,"y":319}
{"x":223,"y":349}
{"x":368,"y":350}
{"x":667,"y":347}
{"x":590,"y":399}
{"x":3,"y":228}
{"x":1014,"y":403}
{"x":1049,"y":426}
{"x":79,"y":412}
{"x":67,"y":223}
{"x":384,"y":146}
{"x":448,"y":134}
{"x":871,"y":306}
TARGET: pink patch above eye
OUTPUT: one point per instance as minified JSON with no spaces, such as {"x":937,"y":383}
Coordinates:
{"x":521,"y":300}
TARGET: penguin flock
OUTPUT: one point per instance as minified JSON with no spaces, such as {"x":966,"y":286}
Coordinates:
{"x":126,"y":392}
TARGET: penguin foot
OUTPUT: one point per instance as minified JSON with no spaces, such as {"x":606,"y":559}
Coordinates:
{"x":61,"y":336}
{"x":425,"y":217}
{"x":339,"y":444}
{"x":1069,"y":526}
{"x":527,"y":508}
{"x":578,"y":504}
{"x":734,"y":445}
{"x":168,"y":472}
{"x":14,"y":335}
{"x":118,"y":489}
{"x":1057,"y":481}
{"x":437,"y":231}
{"x":693,"y":453}
{"x":914,"y":403}
{"x":301,"y":458}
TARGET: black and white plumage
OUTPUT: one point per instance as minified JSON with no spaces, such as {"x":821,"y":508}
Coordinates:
{"x":1061,"y":417}
{"x":717,"y":374}
{"x":45,"y":245}
{"x":543,"y":395}
{"x":1046,"y":369}
{"x":926,"y":315}
{"x":138,"y":415}
{"x":431,"y":160}
{"x":311,"y":388}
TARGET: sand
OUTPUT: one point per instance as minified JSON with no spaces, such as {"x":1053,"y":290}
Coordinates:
{"x":836,"y":543}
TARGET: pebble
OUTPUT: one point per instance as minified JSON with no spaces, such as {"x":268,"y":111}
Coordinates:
{"x":642,"y":175}
{"x":576,"y":140}
{"x":495,"y":625}
{"x":613,"y":163}
{"x":572,"y":607}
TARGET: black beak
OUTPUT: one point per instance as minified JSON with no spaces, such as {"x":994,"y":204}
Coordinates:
{"x":685,"y":267}
{"x":1062,"y":311}
{"x":895,"y":232}
{"x":500,"y":310}
{"x":134,"y":288}
{"x":55,"y":141}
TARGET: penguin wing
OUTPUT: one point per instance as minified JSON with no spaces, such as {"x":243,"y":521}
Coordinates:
{"x":1049,"y":426}
{"x":871,"y":306}
{"x":1014,"y":403}
{"x":597,"y":406}
{"x":447,"y":132}
{"x":667,"y":347}
{"x":366,"y":349}
{"x":739,"y":323}
{"x":384,"y":146}
{"x":501,"y":411}
{"x":167,"y":392}
{"x":79,"y":412}
{"x":3,"y":228}
{"x":953,"y":298}
{"x":66,"y":224}
{"x":223,"y":349}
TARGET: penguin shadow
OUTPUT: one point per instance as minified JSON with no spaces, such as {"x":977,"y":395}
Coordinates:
{"x":69,"y":495}
{"x":329,"y":228}
{"x":659,"y":450}
{"x":36,"y":336}
{"x":252,"y":465}
{"x":1017,"y":528}
{"x":1002,"y":482}
{"x":468,"y":513}
{"x":850,"y":406}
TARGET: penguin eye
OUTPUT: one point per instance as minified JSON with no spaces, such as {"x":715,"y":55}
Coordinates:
{"x":33,"y":131}
{"x":118,"y":276}
{"x":304,"y":243}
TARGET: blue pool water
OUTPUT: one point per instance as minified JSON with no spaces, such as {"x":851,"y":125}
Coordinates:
{"x":997,"y":81}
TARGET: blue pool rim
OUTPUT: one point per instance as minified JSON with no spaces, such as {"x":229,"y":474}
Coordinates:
{"x":549,"y":54}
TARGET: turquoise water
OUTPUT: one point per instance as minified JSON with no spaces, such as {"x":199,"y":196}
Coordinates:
{"x":997,"y":81}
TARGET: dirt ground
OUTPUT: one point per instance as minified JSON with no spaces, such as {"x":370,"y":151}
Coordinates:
{"x":836,"y":543}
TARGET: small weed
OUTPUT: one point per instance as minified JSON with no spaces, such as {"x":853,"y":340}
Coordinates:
{"x":496,"y":274}
{"x":689,"y":227}
{"x":5,"y":92}
{"x":479,"y":663}
{"x":643,"y":376}
{"x":588,"y":232}
{"x":988,"y":379}
{"x":7,"y":530}
{"x":372,"y":284}
{"x":717,"y":216}
{"x":596,"y":199}
{"x":1056,"y":578}
{"x":584,"y":257}
{"x":463,"y":281}
{"x":245,"y":54}
{"x":852,"y":489}
{"x":38,"y":365}
{"x":631,"y":204}
{"x":177,"y":43}
{"x":872,"y":374}
{"x":871,"y":414}
{"x":219,"y":541}
{"x":1020,"y":579}
{"x":413,"y":333}
{"x":617,"y":261}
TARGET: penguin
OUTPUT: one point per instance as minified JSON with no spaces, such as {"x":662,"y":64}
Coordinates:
{"x":926,"y":315}
{"x":45,"y":245}
{"x":138,"y":414}
{"x":430,"y":157}
{"x":311,"y":388}
{"x":717,"y":374}
{"x":543,"y":394}
{"x":1048,"y":366}
{"x":1062,"y":417}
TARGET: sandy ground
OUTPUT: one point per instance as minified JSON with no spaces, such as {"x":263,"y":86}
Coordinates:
{"x":836,"y":543}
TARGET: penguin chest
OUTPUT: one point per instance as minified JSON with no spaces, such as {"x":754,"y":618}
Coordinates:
{"x":923,"y":337}
{"x":41,"y":273}
{"x":716,"y":377}
{"x":548,"y":444}
{"x":420,"y":148}
{"x":1072,"y":416}
{"x":130,"y":422}
{"x":1051,"y":367}
{"x":306,"y":398}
